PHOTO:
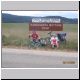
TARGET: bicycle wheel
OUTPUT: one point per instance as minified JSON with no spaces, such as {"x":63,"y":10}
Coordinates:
{"x":47,"y":40}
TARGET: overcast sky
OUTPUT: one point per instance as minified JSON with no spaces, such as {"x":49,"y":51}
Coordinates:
{"x":68,"y":14}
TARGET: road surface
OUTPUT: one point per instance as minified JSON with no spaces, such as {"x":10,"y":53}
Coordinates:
{"x":21,"y":58}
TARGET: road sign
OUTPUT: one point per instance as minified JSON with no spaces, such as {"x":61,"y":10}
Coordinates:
{"x":46,"y":26}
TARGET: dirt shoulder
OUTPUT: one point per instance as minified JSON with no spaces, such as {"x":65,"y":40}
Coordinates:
{"x":42,"y":49}
{"x":39,"y":52}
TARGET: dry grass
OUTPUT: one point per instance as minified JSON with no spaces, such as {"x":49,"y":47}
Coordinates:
{"x":20,"y":31}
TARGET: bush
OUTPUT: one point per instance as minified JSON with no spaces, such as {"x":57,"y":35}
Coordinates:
{"x":72,"y":45}
{"x":5,"y":40}
{"x":16,"y":41}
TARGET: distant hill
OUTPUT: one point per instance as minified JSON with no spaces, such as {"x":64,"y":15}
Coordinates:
{"x":8,"y":18}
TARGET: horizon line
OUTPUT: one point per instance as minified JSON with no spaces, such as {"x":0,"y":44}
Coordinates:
{"x":38,"y":16}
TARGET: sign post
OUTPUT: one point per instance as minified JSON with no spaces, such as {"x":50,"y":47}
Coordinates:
{"x":46,"y":24}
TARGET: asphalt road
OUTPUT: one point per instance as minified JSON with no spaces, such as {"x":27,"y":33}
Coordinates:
{"x":21,"y":58}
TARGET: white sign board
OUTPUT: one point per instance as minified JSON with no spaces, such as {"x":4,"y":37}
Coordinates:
{"x":46,"y":20}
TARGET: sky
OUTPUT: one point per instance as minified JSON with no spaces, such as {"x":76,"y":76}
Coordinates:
{"x":68,"y":14}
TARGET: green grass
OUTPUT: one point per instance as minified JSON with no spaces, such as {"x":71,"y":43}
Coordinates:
{"x":17,"y":34}
{"x":70,"y":27}
{"x":15,"y":29}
